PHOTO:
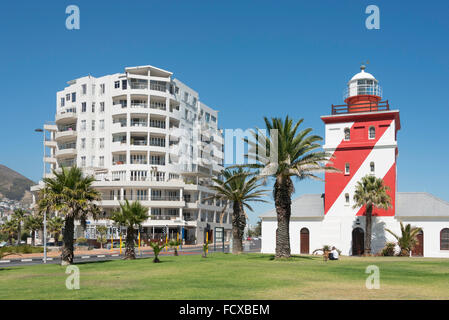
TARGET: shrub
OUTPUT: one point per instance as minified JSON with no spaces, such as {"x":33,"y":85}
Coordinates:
{"x":81,"y":241}
{"x":388,"y":250}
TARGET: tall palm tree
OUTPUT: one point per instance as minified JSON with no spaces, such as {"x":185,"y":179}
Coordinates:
{"x":55,"y":226}
{"x":283,"y":153}
{"x":34,"y":223}
{"x":71,"y":195}
{"x":408,"y":238}
{"x":237,"y":188}
{"x":19,"y":216}
{"x":130,"y":216}
{"x":370,"y":192}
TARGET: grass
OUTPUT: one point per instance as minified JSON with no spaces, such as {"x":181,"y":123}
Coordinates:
{"x":224,"y":276}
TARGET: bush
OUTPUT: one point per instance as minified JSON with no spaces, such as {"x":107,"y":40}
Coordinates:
{"x":81,"y":241}
{"x":23,"y":249}
{"x":388,"y":250}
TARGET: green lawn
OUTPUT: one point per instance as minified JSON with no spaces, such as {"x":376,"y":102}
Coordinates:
{"x":224,"y":276}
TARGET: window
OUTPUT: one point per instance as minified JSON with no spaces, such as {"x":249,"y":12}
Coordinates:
{"x":84,"y":89}
{"x":93,"y":107}
{"x":101,"y":106}
{"x":83,"y":125}
{"x":62,"y":102}
{"x":124,"y":84}
{"x":83,"y":107}
{"x":347,"y":198}
{"x":347,"y":168}
{"x":83,"y":161}
{"x":371,"y":167}
{"x":101,"y":124}
{"x":74,"y":97}
{"x":83,"y":143}
{"x":214,"y":119}
{"x":207,"y":117}
{"x":101,"y":164}
{"x":101,"y":143}
{"x":194,"y":101}
{"x":92,"y":161}
{"x":102,"y":88}
{"x":117,"y":84}
{"x":93,"y":89}
{"x":444,"y":239}
{"x":93,"y":125}
{"x":92,"y":145}
{"x":186,"y":96}
{"x":347,"y":134}
{"x":372,"y":133}
{"x":67,"y":97}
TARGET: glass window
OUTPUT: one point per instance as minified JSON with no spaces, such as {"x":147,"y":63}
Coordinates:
{"x":74,"y":97}
{"x":444,"y":239}
{"x":347,"y":168}
{"x":372,"y":132}
{"x":83,"y":107}
{"x":372,"y":167}
{"x":347,"y":197}
{"x":347,"y":134}
{"x":117,"y":84}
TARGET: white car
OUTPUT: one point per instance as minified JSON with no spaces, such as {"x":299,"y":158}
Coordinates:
{"x":2,"y":244}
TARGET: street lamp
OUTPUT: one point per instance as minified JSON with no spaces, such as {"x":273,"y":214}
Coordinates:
{"x":45,"y":213}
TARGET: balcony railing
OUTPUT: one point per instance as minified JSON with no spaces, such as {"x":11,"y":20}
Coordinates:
{"x":165,"y":198}
{"x":361,"y":107}
{"x":158,"y":105}
{"x":139,"y":105}
{"x":164,"y":217}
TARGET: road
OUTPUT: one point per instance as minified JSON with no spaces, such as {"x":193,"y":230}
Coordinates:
{"x":251,"y":246}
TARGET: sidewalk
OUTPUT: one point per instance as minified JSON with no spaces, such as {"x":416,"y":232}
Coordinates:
{"x":55,"y":252}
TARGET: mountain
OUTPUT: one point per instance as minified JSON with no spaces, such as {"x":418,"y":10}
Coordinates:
{"x":14,"y":186}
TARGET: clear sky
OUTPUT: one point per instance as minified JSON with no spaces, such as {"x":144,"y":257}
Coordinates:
{"x":248,"y":59}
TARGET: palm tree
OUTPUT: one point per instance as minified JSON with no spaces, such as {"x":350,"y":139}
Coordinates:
{"x":34,"y":223}
{"x":157,"y":248}
{"x":101,"y":235}
{"x":238,"y":188}
{"x":291,"y":154}
{"x":371,"y":193}
{"x":131,"y":216}
{"x":19,"y":216}
{"x":10,"y":228}
{"x":408,"y":238}
{"x":55,"y":226}
{"x":175,"y":244}
{"x":72,"y":196}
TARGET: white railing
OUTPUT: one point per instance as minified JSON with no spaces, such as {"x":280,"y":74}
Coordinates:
{"x":362,"y":89}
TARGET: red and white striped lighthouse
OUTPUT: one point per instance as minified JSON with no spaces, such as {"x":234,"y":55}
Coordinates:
{"x":362,"y":136}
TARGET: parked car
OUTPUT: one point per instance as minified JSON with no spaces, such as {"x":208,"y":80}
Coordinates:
{"x":3,"y":244}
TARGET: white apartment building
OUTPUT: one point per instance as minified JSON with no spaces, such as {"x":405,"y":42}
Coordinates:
{"x":144,"y":136}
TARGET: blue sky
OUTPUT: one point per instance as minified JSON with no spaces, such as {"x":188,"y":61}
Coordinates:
{"x":248,"y":59}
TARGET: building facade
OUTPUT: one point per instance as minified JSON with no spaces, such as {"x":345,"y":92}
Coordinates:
{"x":362,"y":137}
{"x":144,"y":136}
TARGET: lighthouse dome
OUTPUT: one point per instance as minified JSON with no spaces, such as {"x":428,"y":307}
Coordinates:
{"x":363,"y":84}
{"x":362,"y":75}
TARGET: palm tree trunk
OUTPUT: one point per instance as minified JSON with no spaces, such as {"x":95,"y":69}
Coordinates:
{"x":129,"y":252}
{"x":19,"y":233}
{"x":282,"y":200}
{"x":67,"y":243}
{"x":33,"y":235}
{"x":238,"y":227}
{"x":368,"y":231}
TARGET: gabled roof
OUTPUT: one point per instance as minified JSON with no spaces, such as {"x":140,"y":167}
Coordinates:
{"x":408,"y":204}
{"x":420,"y":204}
{"x":306,"y":206}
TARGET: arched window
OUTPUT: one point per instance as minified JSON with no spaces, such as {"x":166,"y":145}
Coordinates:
{"x":347,"y":134}
{"x":347,"y":198}
{"x":444,"y":239}
{"x":347,"y":168}
{"x":372,"y":133}
{"x":371,"y":167}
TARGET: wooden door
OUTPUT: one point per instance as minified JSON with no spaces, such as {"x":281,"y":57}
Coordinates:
{"x":358,"y":242}
{"x":418,"y":250}
{"x":304,"y":241}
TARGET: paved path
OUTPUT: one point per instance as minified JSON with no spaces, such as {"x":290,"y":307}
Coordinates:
{"x":252,"y":246}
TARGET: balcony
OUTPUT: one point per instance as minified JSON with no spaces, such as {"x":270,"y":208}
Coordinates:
{"x":360,"y":107}
{"x":65,"y":135}
{"x":66,"y":117}
{"x":63,"y":153}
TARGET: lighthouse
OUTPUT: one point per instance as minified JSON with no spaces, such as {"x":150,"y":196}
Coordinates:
{"x":361,"y":135}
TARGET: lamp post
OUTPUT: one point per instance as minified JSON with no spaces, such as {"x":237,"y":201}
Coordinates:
{"x":45,"y":213}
